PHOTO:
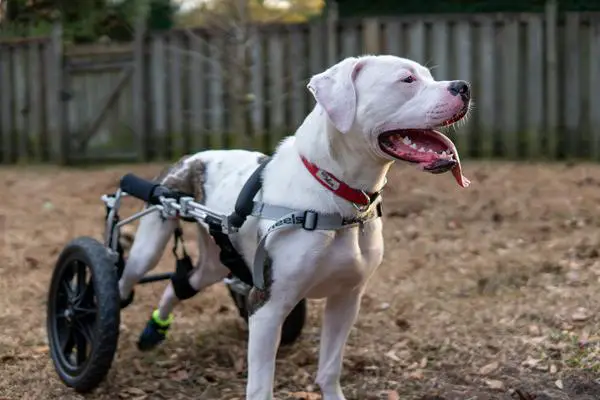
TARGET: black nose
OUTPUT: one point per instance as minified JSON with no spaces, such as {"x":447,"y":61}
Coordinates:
{"x":460,"y":88}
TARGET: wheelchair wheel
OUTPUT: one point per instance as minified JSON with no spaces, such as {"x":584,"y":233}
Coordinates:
{"x":83,"y":314}
{"x":292,"y":326}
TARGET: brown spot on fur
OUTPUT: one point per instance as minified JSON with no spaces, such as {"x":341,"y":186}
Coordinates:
{"x":186,"y":176}
{"x":262,"y":158}
{"x":259,"y":297}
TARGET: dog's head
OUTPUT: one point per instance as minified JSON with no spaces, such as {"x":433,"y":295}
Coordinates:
{"x":395,"y":105}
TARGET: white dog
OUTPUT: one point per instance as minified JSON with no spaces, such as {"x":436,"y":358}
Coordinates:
{"x":370,"y":112}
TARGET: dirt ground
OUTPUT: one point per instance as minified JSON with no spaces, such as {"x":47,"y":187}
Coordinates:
{"x":485,"y":293}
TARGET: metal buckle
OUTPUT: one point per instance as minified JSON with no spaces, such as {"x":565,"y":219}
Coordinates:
{"x":310,"y":220}
{"x":184,"y":211}
{"x":366,"y":207}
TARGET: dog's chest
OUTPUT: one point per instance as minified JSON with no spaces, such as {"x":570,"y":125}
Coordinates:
{"x":349,"y":260}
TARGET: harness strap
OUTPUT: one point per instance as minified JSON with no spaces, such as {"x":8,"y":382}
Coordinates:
{"x":231,"y":258}
{"x":183,"y":266}
{"x":309,"y":220}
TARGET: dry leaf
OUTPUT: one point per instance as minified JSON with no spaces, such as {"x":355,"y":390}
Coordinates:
{"x":392,"y":355}
{"x":132,"y":392}
{"x":306,"y":395}
{"x":553,"y":369}
{"x":180,"y":375}
{"x":41,"y":349}
{"x":32,"y":263}
{"x":423,"y":362}
{"x":534,"y":330}
{"x":413,"y":366}
{"x":541,"y":367}
{"x":418,"y":375}
{"x":559,"y":384}
{"x":530,"y":362}
{"x":488,"y":369}
{"x":495,"y":384}
{"x":581,"y":315}
{"x":239,"y":365}
{"x":393,"y":395}
{"x":137,"y":365}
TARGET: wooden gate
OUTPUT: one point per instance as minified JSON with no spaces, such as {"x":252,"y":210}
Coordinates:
{"x":26,"y":102}
{"x":70,"y":104}
{"x":97,"y":99}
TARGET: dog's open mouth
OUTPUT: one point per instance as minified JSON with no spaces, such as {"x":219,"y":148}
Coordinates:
{"x":429,"y":149}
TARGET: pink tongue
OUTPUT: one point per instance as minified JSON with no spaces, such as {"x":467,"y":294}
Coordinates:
{"x":460,"y":178}
{"x":457,"y":170}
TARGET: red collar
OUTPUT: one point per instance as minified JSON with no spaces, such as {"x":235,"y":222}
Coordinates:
{"x":338,"y":187}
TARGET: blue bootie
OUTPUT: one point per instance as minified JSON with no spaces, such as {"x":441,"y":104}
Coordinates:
{"x":154,"y":332}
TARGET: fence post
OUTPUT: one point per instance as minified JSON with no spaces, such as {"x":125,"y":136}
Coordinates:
{"x":332,"y":24}
{"x":61,"y":135}
{"x":139,"y":93}
{"x":551,"y":77}
{"x":371,"y":38}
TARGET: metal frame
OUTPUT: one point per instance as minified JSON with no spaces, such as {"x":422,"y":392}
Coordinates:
{"x":185,"y":207}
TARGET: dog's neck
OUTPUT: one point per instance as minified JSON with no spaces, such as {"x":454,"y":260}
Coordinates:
{"x":347,"y":156}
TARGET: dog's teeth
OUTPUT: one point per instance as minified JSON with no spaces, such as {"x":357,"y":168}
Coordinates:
{"x":422,"y":150}
{"x":414,"y":146}
{"x":406,"y":141}
{"x":444,"y":154}
{"x":430,"y":151}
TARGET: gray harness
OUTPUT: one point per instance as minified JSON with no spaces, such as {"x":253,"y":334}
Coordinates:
{"x":308,"y":220}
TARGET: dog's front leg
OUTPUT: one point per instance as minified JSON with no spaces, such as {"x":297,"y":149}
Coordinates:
{"x":267,"y":316}
{"x":340,"y":314}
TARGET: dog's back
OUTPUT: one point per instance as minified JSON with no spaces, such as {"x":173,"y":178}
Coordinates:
{"x":214,"y":177}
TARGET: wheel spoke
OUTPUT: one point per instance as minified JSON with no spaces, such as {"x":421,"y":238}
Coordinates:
{"x":82,"y":286}
{"x":84,"y":312}
{"x":68,"y":289}
{"x":67,"y":343}
{"x":85,"y":331}
{"x":81,"y":345}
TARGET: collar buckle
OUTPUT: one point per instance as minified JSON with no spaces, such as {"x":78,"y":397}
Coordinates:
{"x":365,"y":207}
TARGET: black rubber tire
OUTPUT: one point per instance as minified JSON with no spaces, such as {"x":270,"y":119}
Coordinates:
{"x":103,"y":314}
{"x":292,"y":326}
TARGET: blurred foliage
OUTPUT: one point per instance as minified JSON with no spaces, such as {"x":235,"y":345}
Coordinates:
{"x":87,"y":21}
{"x":251,"y":11}
{"x":359,"y":8}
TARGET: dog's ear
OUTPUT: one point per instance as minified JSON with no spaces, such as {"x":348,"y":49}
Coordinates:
{"x":334,"y":90}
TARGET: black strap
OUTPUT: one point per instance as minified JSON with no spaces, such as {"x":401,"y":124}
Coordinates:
{"x":120,"y":251}
{"x":183,"y":266}
{"x":231,"y":258}
{"x":245,"y":200}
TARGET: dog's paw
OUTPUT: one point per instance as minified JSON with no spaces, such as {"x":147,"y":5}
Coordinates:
{"x":155,"y":332}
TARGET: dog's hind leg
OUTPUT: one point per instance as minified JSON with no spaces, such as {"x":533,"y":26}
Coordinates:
{"x":150,"y":240}
{"x":207,"y":272}
{"x":340,"y":314}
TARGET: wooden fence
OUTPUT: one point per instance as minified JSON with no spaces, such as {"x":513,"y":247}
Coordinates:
{"x":536,"y":85}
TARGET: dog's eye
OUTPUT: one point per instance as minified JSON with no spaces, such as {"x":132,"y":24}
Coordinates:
{"x":409,"y":79}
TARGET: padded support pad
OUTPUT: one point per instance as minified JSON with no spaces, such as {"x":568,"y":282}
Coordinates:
{"x":245,"y":200}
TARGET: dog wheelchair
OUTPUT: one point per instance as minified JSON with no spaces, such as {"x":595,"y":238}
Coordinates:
{"x":83,"y":308}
